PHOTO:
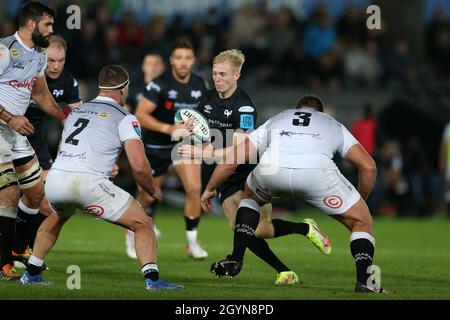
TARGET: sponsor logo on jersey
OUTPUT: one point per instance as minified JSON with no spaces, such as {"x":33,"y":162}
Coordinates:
{"x":137,"y":128}
{"x":228,"y":112}
{"x":219,"y":124}
{"x":154,"y":86}
{"x":28,"y":84}
{"x":172,"y":94}
{"x":196,"y":94}
{"x":246,"y":109}
{"x":15,"y":53}
{"x":207,"y":108}
{"x":56,"y":93}
{"x":179,"y":105}
{"x":103,"y":114}
{"x":18,"y":65}
{"x":168,"y":105}
{"x":247,"y":121}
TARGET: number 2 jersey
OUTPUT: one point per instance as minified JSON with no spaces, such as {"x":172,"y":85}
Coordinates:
{"x":93,"y":137}
{"x":302,"y":138}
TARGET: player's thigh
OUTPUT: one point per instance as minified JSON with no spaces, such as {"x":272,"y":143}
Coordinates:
{"x":357,"y":218}
{"x":134,"y":217}
{"x":326,"y":189}
{"x":190,"y":176}
{"x":96,"y":195}
{"x":29,"y":175}
{"x":9,"y":189}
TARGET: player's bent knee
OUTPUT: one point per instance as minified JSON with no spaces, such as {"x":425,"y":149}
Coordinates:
{"x":264,"y":229}
{"x":193,"y":191}
{"x":30,"y":177}
{"x":8,"y":176}
{"x":144,"y":223}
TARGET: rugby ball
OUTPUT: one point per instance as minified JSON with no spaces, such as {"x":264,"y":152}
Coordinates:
{"x":201,"y":129}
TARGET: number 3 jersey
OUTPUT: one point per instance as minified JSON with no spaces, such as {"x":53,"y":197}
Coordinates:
{"x":302,"y":138}
{"x":93,"y":137}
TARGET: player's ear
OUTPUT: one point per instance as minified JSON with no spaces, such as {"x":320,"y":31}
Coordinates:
{"x":237,"y":75}
{"x":31,"y":25}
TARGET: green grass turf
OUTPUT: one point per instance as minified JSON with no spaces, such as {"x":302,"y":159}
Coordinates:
{"x":414,"y":256}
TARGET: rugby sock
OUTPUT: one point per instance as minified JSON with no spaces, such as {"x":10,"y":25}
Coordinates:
{"x":34,"y":266}
{"x":261,"y":249}
{"x":24,"y":219}
{"x":191,"y":223}
{"x":6,"y":238}
{"x":150,"y":271}
{"x":362,"y":247}
{"x":247,"y":219}
{"x":34,"y":226}
{"x":282,"y":228}
{"x":191,"y":228}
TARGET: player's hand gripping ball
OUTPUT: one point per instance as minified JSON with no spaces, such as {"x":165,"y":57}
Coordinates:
{"x":201,"y":131}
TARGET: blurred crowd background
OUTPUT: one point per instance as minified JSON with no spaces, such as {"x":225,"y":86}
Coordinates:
{"x":391,"y":87}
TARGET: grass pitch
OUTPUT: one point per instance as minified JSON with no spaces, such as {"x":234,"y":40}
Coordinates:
{"x":413,"y":254}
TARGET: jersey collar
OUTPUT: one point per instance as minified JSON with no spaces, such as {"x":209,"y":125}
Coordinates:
{"x":16,"y":35}
{"x":102,"y":98}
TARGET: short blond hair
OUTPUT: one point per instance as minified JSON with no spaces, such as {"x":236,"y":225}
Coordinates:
{"x":60,"y":42}
{"x":234,"y":56}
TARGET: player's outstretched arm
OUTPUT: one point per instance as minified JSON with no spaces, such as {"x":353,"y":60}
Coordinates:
{"x":366,"y":166}
{"x":208,"y":153}
{"x":44,"y":99}
{"x":142,"y":172}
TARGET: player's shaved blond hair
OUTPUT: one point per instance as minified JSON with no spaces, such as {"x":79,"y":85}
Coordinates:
{"x":234,"y":57}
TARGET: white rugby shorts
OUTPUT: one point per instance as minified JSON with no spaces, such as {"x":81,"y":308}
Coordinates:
{"x":97,"y":195}
{"x":326,"y":189}
{"x":13,"y":145}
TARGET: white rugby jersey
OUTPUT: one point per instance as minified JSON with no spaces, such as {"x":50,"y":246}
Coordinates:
{"x":93,"y":137}
{"x":20,"y":67}
{"x":302,"y":138}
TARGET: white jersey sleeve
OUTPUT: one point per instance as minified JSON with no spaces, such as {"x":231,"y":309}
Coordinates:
{"x":4,"y":58}
{"x":348,"y":140}
{"x":259,"y":137}
{"x":129,"y":128}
